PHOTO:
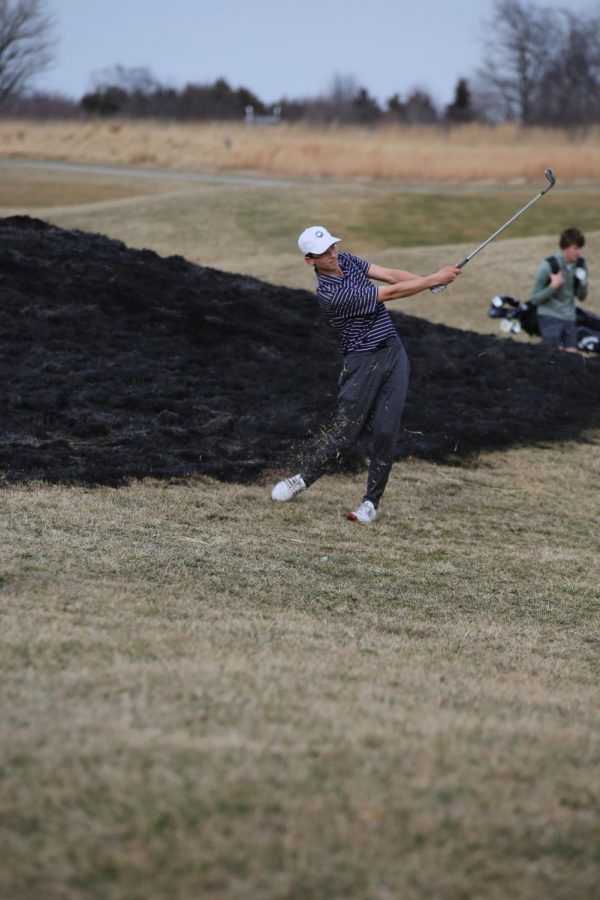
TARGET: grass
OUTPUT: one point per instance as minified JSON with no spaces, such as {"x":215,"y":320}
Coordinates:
{"x":37,"y":189}
{"x":465,"y":154}
{"x":205,"y":695}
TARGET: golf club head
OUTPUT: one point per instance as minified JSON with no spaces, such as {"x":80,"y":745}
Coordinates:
{"x":551,"y":178}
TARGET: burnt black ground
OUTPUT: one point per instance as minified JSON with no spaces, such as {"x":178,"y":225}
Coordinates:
{"x":117,"y":363}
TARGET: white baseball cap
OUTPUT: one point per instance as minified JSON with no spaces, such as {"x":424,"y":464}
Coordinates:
{"x":316,"y":239}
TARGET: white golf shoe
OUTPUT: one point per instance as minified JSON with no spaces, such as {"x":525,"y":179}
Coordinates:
{"x":365,"y":514}
{"x":287,"y":489}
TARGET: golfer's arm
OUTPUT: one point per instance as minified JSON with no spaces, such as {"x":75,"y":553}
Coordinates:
{"x":408,"y":288}
{"x":390,"y":276}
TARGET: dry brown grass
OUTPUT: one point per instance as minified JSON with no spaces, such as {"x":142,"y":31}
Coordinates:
{"x":209,"y":696}
{"x":205,"y":695}
{"x":470,"y":153}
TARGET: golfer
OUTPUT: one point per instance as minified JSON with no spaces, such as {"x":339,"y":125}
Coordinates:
{"x":374,"y":377}
{"x":559,"y":280}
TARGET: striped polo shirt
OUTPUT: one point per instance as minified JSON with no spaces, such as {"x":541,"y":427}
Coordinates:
{"x":351,"y":307}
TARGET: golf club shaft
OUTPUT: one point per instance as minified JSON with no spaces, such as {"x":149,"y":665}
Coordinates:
{"x":438,"y":288}
{"x":499,"y":231}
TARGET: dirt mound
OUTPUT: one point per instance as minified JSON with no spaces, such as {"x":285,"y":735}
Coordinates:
{"x":118,"y":363}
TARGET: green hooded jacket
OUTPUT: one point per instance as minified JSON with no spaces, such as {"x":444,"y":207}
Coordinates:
{"x":559,"y":302}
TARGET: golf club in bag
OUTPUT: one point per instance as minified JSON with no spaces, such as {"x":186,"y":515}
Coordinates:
{"x":438,"y":288}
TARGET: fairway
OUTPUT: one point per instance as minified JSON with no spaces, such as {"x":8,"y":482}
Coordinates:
{"x":209,"y":695}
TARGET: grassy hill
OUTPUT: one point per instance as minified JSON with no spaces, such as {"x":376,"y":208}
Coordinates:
{"x":205,"y":695}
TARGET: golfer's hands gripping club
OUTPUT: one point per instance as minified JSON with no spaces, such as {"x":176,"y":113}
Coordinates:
{"x":445,"y":276}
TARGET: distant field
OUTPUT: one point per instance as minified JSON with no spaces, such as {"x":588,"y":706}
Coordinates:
{"x":206,"y":696}
{"x":466,"y":154}
{"x":253,"y":229}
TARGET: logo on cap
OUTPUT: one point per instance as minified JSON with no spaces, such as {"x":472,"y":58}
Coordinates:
{"x":318,"y":234}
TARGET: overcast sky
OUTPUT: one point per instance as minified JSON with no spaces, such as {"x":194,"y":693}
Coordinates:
{"x":277,"y":48}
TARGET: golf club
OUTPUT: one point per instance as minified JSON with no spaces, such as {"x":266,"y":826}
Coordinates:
{"x":438,"y":288}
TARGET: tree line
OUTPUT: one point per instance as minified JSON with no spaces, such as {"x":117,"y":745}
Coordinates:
{"x":541,"y":67}
{"x":135,"y":93}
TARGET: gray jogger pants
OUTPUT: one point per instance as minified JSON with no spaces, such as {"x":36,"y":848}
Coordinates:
{"x":560,"y":332}
{"x":372,"y":393}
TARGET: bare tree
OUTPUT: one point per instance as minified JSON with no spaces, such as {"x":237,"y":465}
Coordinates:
{"x":542,"y":66}
{"x":521,"y":38}
{"x":337,"y":104}
{"x":417,"y":109}
{"x":341,"y":96}
{"x":26,"y":44}
{"x":131,"y":79}
{"x":124,"y":90}
{"x":420,"y":108}
{"x":45,"y":105}
{"x":570,"y":88}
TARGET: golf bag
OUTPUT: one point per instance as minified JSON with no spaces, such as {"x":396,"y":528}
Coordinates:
{"x":516,"y":316}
